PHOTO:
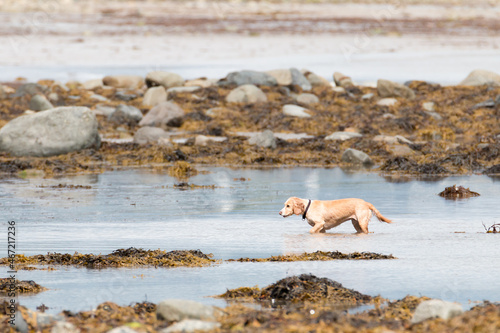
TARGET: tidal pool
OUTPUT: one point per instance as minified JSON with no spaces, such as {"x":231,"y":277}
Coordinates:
{"x":441,"y":245}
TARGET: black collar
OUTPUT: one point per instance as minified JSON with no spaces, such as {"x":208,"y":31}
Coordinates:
{"x":307,"y":208}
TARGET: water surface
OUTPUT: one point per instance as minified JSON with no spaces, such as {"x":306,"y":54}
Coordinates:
{"x":442,"y":248}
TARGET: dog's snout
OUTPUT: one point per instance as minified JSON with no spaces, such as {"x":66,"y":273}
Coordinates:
{"x":280,"y":212}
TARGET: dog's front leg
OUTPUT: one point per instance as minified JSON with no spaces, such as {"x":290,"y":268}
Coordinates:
{"x":317,"y":227}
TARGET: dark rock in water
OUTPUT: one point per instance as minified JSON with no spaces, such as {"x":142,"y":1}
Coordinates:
{"x":457,"y":192}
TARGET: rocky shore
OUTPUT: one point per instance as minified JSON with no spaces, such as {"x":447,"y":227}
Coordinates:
{"x":301,"y":303}
{"x":283,"y":117}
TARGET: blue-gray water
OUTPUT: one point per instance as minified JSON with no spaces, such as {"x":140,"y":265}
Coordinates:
{"x":442,"y":248}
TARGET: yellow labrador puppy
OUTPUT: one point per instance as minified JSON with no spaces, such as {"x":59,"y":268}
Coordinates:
{"x":324,"y":215}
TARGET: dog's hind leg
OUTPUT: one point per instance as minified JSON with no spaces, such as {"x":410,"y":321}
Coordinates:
{"x":356,"y":226}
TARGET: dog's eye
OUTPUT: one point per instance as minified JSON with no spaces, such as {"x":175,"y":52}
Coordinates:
{"x":288,"y":205}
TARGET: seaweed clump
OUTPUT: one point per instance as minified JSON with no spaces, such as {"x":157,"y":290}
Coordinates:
{"x":320,"y":256}
{"x":119,"y":258}
{"x":298,"y":289}
{"x":21,"y":287}
{"x":457,"y":192}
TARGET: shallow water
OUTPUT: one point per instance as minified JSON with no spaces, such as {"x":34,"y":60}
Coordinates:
{"x":442,"y":248}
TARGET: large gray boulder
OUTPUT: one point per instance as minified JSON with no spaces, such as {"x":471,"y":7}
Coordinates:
{"x":52,"y":132}
{"x":479,"y":77}
{"x":248,"y":77}
{"x":165,"y":79}
{"x":436,"y":308}
{"x":161,"y":114}
{"x":246,"y":94}
{"x":179,"y":309}
{"x":386,"y":88}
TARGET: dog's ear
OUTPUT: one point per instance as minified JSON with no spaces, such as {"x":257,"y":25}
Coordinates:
{"x":298,"y":207}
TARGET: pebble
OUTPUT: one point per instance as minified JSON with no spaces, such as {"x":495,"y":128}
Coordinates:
{"x":283,"y":76}
{"x":392,"y":139}
{"x":64,"y":327}
{"x":387,"y":101}
{"x":316,"y":80}
{"x":204,"y":83}
{"x":355,"y":156}
{"x":203,"y":140}
{"x":97,"y":97}
{"x":51,"y":132}
{"x":165,"y":79}
{"x":122,"y":329}
{"x":247,"y":94}
{"x":401,"y":150}
{"x":149,"y":134}
{"x":339,"y":89}
{"x":295,"y":111}
{"x":367,"y":96}
{"x":54,"y":97}
{"x":342,"y":136}
{"x":30,"y":89}
{"x":300,"y":80}
{"x":386,"y":88}
{"x":436,"y":308}
{"x":179,"y":309}
{"x":40,"y":103}
{"x":161,"y":114}
{"x":124,"y":81}
{"x":126,"y":97}
{"x":306,"y":98}
{"x":154,"y":96}
{"x":342,"y":80}
{"x":104,"y":110}
{"x":264,"y":139}
{"x":428,"y":106}
{"x":248,"y":77}
{"x":434,"y":115}
{"x":182,"y":89}
{"x":92,"y":84}
{"x":125,"y":114}
{"x":192,"y":325}
{"x":479,"y":77}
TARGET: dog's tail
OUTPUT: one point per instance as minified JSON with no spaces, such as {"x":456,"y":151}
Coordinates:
{"x":380,"y":217}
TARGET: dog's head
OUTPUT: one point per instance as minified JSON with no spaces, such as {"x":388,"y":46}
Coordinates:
{"x":292,"y":206}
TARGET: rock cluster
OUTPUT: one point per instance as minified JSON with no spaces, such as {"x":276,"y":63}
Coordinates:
{"x":298,"y":116}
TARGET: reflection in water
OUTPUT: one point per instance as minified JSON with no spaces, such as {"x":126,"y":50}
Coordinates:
{"x":442,"y":248}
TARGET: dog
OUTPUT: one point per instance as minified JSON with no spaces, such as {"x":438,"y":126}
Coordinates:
{"x":324,"y":215}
